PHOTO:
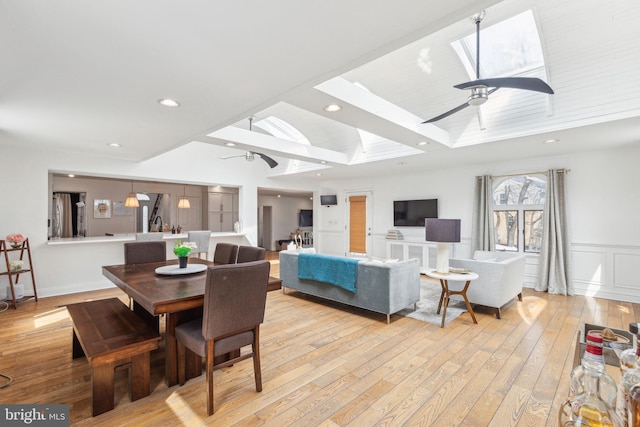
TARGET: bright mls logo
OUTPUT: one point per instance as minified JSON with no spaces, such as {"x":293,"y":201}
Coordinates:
{"x":34,"y":415}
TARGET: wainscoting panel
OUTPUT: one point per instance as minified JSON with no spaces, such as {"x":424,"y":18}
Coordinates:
{"x":588,"y":266}
{"x":330,"y":242}
{"x":379,"y":243}
{"x":625,"y":269}
{"x":606,"y":271}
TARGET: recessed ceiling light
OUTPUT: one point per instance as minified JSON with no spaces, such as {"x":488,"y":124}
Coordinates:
{"x":278,"y":196}
{"x":229,"y":144}
{"x":71,"y":175}
{"x":166,"y":102}
{"x":332,"y":108}
{"x":551,"y":141}
{"x":114,"y":144}
{"x":318,"y":174}
{"x":323,"y":162}
{"x":422,"y":143}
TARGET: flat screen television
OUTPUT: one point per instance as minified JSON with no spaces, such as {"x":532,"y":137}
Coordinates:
{"x":305,"y":218}
{"x":329,"y":200}
{"x":411,"y":213}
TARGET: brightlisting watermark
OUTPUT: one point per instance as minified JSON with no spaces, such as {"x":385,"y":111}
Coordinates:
{"x":34,"y":415}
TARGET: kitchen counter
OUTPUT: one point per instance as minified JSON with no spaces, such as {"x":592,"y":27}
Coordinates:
{"x":130,"y":237}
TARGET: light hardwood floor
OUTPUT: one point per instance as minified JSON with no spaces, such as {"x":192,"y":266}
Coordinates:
{"x":329,"y":365}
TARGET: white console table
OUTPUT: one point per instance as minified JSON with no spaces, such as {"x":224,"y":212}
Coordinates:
{"x":425,"y":252}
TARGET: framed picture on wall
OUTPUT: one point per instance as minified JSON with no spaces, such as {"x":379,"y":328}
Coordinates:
{"x":102,"y":208}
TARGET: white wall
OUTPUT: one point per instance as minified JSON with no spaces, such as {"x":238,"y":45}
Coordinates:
{"x":603,"y":206}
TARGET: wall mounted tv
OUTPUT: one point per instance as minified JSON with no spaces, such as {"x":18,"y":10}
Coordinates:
{"x":329,"y":200}
{"x":411,"y":213}
{"x":305,"y":219}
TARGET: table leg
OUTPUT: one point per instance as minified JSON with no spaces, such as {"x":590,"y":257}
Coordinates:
{"x":463,"y":292}
{"x":192,"y":360}
{"x":170,"y":350}
{"x":444,"y":300}
{"x":466,"y":301}
{"x":150,"y":319}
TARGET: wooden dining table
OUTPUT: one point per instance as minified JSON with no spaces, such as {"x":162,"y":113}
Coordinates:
{"x":179,"y":297}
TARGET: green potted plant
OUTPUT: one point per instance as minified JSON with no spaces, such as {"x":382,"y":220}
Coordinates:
{"x":182,"y":251}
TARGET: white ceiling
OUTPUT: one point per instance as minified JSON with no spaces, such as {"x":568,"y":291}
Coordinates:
{"x":81,"y":75}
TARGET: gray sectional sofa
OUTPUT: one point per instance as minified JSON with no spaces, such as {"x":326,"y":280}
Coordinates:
{"x":383,"y":287}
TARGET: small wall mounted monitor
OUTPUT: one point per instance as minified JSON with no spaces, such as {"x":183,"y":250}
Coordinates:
{"x":329,"y":200}
{"x":305,"y":219}
{"x":412,"y":213}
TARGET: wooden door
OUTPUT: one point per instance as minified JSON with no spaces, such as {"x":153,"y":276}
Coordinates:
{"x":358,"y":224}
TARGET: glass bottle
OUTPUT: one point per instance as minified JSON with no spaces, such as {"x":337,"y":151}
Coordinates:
{"x":629,"y":358}
{"x":629,"y":376}
{"x":592,"y":404}
{"x":624,"y":406}
{"x":607,"y":385}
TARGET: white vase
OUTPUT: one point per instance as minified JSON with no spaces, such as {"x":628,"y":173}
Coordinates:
{"x":18,"y":288}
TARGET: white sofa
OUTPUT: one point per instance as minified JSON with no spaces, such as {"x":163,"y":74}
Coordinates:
{"x":500,"y":277}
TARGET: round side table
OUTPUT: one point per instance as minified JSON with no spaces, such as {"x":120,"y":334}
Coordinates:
{"x":444,"y":279}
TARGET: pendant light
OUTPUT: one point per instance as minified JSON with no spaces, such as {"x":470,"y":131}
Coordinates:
{"x":132,"y":199}
{"x":183,"y":202}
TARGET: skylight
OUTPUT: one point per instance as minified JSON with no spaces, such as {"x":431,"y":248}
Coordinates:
{"x":508,"y":48}
{"x":281,"y":129}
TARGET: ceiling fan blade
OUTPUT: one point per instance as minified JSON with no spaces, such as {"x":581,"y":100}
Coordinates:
{"x":448,"y":113}
{"x":231,"y":157}
{"x":272,"y":163}
{"x":455,"y":110}
{"x":525,"y":83}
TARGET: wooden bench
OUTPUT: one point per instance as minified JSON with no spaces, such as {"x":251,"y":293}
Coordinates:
{"x":110,"y":335}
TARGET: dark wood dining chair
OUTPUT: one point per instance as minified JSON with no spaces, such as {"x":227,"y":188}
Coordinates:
{"x":234,"y":303}
{"x":225,"y":253}
{"x":250,"y":253}
{"x":140,"y":253}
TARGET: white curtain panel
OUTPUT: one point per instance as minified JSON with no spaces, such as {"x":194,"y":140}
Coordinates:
{"x":554,"y":270}
{"x":482,"y":236}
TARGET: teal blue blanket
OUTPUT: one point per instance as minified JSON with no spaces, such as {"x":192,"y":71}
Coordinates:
{"x":336,"y":270}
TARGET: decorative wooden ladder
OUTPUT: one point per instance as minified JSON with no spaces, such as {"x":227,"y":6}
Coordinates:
{"x":23,"y":248}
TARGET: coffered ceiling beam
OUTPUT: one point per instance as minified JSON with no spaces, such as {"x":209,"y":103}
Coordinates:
{"x":255,"y":141}
{"x":365,"y":110}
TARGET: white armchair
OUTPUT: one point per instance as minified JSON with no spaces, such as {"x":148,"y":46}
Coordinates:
{"x":501,"y":276}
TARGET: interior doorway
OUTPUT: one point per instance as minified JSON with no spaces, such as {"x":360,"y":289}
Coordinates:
{"x":265,"y":228}
{"x":359,"y":224}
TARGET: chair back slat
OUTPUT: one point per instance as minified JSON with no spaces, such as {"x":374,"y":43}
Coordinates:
{"x":143,"y":252}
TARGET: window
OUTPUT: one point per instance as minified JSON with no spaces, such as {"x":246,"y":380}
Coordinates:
{"x":518,"y":207}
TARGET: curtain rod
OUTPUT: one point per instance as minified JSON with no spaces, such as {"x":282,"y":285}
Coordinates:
{"x":528,"y":173}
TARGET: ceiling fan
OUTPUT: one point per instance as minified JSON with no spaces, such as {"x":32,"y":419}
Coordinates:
{"x":251,"y":155}
{"x":479,"y":88}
